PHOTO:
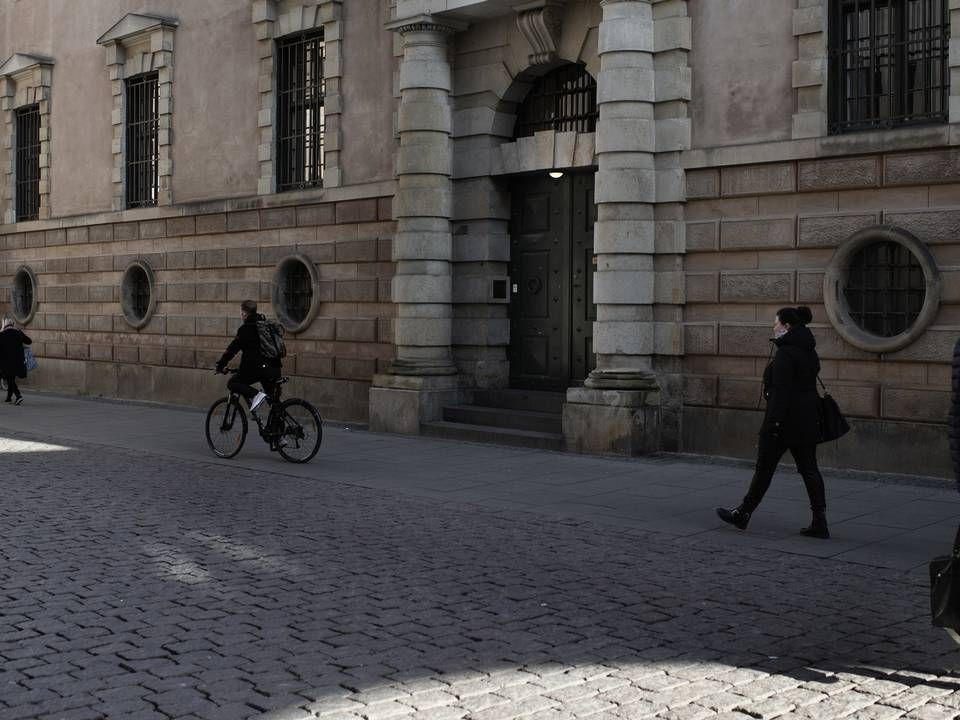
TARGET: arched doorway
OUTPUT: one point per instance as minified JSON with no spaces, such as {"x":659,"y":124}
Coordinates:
{"x":551,"y":243}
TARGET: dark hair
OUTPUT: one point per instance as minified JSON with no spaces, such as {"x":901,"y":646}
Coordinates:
{"x":249,"y":307}
{"x":795,"y":315}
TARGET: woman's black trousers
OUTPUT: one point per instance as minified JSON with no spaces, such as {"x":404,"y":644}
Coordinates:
{"x":770,"y":451}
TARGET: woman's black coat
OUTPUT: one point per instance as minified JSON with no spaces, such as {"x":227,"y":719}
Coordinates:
{"x":12,"y":341}
{"x":953,"y":423}
{"x":790,"y":387}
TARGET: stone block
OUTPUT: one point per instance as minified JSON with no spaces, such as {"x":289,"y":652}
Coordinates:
{"x":152,"y":355}
{"x":181,"y":292}
{"x":830,"y":346}
{"x":809,"y":287}
{"x":930,"y":226}
{"x":699,"y":390}
{"x":841,"y":174}
{"x":150,"y":229}
{"x":78,"y":293}
{"x":357,"y":330}
{"x":211,"y":258}
{"x":314,"y":365}
{"x":238,"y":291}
{"x":212,"y":326}
{"x":934,"y":346}
{"x":101,"y":263}
{"x":126,"y":354}
{"x":758,"y":234}
{"x":181,"y":325}
{"x":33,"y":239}
{"x":243,"y":221}
{"x":273,"y":254}
{"x":211,"y":292}
{"x":703,"y":236}
{"x":181,"y":357}
{"x":702,"y":287}
{"x":831,"y":230}
{"x":325,"y":214}
{"x":78,"y":351}
{"x":612,"y":422}
{"x":385,"y":209}
{"x":102,"y":293}
{"x":623,"y":287}
{"x":278,"y":218}
{"x":55,"y":237}
{"x":77,"y":322}
{"x":808,"y":20}
{"x":356,"y":251}
{"x":77,"y":264}
{"x":211,"y":224}
{"x":126,"y":231}
{"x":243,"y":257}
{"x":808,"y":72}
{"x":354,"y":368}
{"x":739,"y":340}
{"x":101,"y":323}
{"x":756,"y":287}
{"x":758,"y":179}
{"x":700,"y":339}
{"x":356,"y":291}
{"x":320,"y":253}
{"x":77,"y":236}
{"x":100,"y":233}
{"x":922,"y":168}
{"x":356,"y":211}
{"x":738,"y":393}
{"x":856,"y":400}
{"x":181,"y":260}
{"x":101,"y":353}
{"x":916,"y":404}
{"x":623,"y":338}
{"x":181,"y":226}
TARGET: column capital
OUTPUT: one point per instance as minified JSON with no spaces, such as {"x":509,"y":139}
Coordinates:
{"x":426,"y":23}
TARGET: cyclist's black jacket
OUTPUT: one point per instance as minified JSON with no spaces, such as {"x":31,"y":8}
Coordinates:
{"x":247,"y":341}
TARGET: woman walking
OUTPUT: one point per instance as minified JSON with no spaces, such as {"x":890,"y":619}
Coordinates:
{"x":12,"y":365}
{"x":791,"y":422}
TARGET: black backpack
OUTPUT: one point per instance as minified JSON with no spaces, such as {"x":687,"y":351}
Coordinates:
{"x":272,"y":346}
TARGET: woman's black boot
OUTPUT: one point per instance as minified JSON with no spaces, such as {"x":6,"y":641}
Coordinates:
{"x":738,"y":517}
{"x":818,"y":527}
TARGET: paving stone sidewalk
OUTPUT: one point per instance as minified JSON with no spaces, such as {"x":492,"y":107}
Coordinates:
{"x":139,"y":579}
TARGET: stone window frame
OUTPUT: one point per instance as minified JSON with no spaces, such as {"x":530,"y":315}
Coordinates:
{"x":810,"y":72}
{"x":276,"y":292}
{"x":273,"y":20}
{"x":25,"y":80}
{"x":138,"y":323}
{"x":32,"y":310}
{"x":836,"y":274}
{"x":139,"y":44}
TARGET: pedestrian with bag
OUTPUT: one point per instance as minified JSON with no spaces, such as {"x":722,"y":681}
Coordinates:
{"x":791,"y":421}
{"x":256,"y":365}
{"x":12,"y":363}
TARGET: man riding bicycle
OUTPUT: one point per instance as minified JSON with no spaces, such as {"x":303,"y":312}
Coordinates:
{"x":254,"y":367}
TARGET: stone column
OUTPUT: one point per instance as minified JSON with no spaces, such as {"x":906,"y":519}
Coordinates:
{"x":618,"y":408}
{"x":423,"y":376}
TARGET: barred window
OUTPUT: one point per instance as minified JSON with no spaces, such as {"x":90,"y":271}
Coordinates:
{"x":564,"y":99}
{"x":300,"y":119}
{"x":885,"y":289}
{"x":142,"y":140}
{"x":28,"y":163}
{"x":298,"y":292}
{"x":888,"y":63}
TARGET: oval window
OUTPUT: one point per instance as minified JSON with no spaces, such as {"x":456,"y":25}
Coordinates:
{"x":23,"y":296}
{"x":137,"y":297}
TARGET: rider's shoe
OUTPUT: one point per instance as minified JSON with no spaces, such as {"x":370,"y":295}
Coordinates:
{"x":258,"y":401}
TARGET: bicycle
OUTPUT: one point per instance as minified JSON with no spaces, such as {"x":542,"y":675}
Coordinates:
{"x":293,"y":427}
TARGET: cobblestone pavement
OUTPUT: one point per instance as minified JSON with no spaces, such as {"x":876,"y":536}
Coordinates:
{"x":138,"y":587}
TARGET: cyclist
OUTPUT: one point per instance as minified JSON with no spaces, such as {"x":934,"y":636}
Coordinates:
{"x":254,"y":367}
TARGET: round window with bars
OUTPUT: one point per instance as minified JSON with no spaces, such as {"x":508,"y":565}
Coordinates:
{"x":137,"y":297}
{"x":882,"y":289}
{"x":294,"y":299}
{"x":23,"y":295}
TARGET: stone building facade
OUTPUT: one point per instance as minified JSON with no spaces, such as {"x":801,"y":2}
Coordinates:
{"x":709,"y":170}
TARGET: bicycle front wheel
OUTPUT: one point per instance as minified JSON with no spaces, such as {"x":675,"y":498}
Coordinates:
{"x":226,"y":427}
{"x":301,"y":431}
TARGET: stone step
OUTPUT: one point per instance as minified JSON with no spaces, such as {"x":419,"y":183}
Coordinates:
{"x":504,"y":418}
{"x":543,"y":401}
{"x":493,"y":435}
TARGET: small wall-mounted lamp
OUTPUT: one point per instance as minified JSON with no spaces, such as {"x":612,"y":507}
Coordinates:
{"x":555,"y":175}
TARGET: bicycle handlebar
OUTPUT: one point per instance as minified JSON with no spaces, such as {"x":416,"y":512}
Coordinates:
{"x":226,"y":371}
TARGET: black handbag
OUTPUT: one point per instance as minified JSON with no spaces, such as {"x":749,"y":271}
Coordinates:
{"x":945,"y":588}
{"x":833,"y":425}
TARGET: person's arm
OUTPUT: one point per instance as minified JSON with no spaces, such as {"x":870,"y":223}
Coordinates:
{"x":781,"y":378}
{"x":953,"y":420}
{"x":26,"y":339}
{"x":233,"y":348}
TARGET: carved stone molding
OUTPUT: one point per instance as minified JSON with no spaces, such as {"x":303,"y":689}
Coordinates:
{"x":540,"y":22}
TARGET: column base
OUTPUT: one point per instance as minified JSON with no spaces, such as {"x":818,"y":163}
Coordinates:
{"x":400,"y":403}
{"x":610,"y":420}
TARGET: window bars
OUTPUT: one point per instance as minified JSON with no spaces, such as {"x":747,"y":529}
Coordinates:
{"x":140,"y":292}
{"x":300,"y":118}
{"x":888,"y":63}
{"x":142,"y":140}
{"x":27,"y":163}
{"x":562,"y":100}
{"x":298,"y":292}
{"x":885,"y":289}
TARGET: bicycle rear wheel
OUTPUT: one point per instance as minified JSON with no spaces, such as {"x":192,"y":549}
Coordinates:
{"x":301,"y":431}
{"x":226,"y":427}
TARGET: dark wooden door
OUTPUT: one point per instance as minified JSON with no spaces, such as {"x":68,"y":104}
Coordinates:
{"x":551,"y":275}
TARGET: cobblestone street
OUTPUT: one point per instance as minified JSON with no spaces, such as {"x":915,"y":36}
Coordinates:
{"x":140,"y":586}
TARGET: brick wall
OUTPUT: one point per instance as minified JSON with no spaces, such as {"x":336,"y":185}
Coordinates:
{"x":759,"y":238}
{"x":205,"y":265}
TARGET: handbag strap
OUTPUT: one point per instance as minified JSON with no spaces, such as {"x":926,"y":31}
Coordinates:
{"x":824,"y":388}
{"x":956,"y":545}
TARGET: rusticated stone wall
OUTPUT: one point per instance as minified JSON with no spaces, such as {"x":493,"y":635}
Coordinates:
{"x":758,"y":238}
{"x":205,"y":265}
